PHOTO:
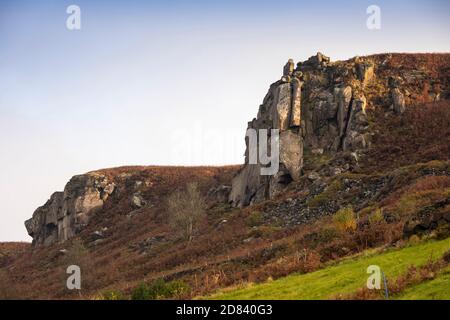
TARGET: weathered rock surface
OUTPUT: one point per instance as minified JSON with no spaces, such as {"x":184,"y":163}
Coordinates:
{"x":219,"y":193}
{"x":322,"y":108}
{"x":317,"y":106}
{"x":67,"y":212}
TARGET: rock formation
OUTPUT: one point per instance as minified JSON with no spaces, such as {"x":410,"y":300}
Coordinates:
{"x":67,"y":212}
{"x":319,"y":105}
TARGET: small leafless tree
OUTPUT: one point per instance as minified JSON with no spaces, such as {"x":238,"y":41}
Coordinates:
{"x":186,"y":209}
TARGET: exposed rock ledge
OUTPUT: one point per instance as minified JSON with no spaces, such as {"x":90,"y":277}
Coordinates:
{"x":65,"y":213}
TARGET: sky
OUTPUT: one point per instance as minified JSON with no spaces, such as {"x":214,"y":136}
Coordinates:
{"x":163,"y":82}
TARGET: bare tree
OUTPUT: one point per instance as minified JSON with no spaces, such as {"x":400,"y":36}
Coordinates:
{"x":186,"y":210}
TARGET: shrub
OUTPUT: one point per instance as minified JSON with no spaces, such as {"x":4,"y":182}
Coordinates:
{"x":160,"y":289}
{"x":324,"y":197}
{"x":141,"y":292}
{"x":376,"y":217}
{"x":255,"y":219}
{"x":443,"y":231}
{"x":367,"y":211}
{"x":112,"y":295}
{"x":411,"y":202}
{"x":186,"y":210}
{"x":406,"y":206}
{"x":446,"y":256}
{"x":414,"y":239}
{"x":326,"y":234}
{"x":263,"y":231}
{"x":344,"y":219}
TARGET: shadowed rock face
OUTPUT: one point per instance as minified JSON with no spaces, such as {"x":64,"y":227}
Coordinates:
{"x":318,"y":105}
{"x":67,"y":212}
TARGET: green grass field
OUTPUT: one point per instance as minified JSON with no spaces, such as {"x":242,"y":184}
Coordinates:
{"x":351,"y":274}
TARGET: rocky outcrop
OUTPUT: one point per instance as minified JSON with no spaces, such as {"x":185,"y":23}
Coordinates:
{"x":364,"y":70}
{"x":397,"y":97}
{"x":318,"y":105}
{"x":67,"y":212}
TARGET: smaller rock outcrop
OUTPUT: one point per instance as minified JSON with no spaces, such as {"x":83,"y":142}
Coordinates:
{"x":397,"y":97}
{"x":364,"y":70}
{"x":62,"y":217}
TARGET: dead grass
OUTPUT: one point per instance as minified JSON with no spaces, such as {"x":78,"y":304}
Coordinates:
{"x":421,"y":134}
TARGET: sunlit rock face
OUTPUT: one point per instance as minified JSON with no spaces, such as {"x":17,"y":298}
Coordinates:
{"x":65,"y":213}
{"x":317,"y":105}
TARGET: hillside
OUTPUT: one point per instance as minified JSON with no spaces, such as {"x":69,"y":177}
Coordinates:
{"x":364,"y":177}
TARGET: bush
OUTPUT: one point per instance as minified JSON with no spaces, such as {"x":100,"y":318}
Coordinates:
{"x":326,"y":234}
{"x":160,"y":289}
{"x":322,"y":198}
{"x":446,"y":256}
{"x":411,"y":202}
{"x":443,"y":231}
{"x":255,"y":219}
{"x":376,"y":217}
{"x":414,"y":239}
{"x":141,"y":292}
{"x":112,"y":295}
{"x":344,"y":219}
{"x":263,"y":231}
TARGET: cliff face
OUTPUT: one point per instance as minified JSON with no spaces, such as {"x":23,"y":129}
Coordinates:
{"x":67,"y":212}
{"x":321,"y":107}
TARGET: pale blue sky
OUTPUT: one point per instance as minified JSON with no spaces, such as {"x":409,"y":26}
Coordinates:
{"x":168,"y":82}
